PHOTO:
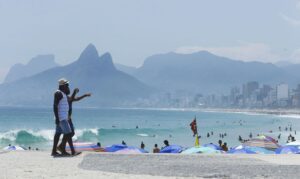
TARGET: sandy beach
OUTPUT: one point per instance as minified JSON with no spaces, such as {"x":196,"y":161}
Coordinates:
{"x":39,"y":164}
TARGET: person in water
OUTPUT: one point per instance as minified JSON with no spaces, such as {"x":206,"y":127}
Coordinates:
{"x":224,"y":147}
{"x":61,"y":113}
{"x":142,"y":145}
{"x":250,"y":135}
{"x":156,"y":149}
{"x":220,"y":143}
{"x":166,"y":142}
{"x":72,"y":99}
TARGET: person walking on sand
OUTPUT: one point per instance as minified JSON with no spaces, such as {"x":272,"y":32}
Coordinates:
{"x":61,"y":113}
{"x":72,"y":99}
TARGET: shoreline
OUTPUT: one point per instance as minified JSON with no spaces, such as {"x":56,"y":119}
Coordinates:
{"x":279,"y":111}
{"x":257,"y":111}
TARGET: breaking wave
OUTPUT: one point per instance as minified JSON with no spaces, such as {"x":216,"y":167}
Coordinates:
{"x":31,"y":137}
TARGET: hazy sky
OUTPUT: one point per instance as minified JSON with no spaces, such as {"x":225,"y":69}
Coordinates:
{"x":262,"y":30}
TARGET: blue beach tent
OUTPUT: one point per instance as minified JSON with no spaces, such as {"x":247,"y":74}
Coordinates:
{"x":200,"y":149}
{"x":136,"y":148}
{"x":260,"y":150}
{"x":288,"y":149}
{"x":213,"y":146}
{"x":131,"y":150}
{"x":241,"y":151}
{"x":115,"y":147}
{"x":172,"y":149}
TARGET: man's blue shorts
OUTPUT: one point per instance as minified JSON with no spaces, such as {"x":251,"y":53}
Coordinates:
{"x":63,"y":127}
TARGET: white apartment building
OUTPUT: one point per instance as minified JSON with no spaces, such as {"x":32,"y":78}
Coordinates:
{"x":282,"y":91}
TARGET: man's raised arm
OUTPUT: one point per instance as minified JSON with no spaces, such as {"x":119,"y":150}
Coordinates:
{"x":81,"y":97}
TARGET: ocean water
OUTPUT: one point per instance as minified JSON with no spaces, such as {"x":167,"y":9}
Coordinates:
{"x":34,"y":127}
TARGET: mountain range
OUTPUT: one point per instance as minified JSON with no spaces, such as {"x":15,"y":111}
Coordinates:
{"x":206,"y":73}
{"x":120,"y":85}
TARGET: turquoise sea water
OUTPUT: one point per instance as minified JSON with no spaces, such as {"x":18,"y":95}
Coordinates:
{"x":35,"y":126}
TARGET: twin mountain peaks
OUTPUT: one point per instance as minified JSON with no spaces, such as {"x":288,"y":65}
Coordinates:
{"x":90,"y":73}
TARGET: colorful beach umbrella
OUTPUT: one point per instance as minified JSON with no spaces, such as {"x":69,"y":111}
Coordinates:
{"x":288,"y":150}
{"x":120,"y":148}
{"x":85,"y":146}
{"x":11,"y":148}
{"x":262,"y":141}
{"x":172,"y":149}
{"x":257,"y":150}
{"x":260,"y":150}
{"x":200,"y":149}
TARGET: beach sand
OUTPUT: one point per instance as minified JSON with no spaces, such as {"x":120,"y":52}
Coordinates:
{"x":39,"y":164}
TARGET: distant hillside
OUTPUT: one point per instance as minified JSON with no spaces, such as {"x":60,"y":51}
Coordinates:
{"x":283,"y":63}
{"x":207,"y":73}
{"x":293,"y":69}
{"x":91,"y":73}
{"x":126,"y":69}
{"x":35,"y":65}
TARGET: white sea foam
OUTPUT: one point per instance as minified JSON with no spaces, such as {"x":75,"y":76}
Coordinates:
{"x":295,"y":116}
{"x":47,"y":134}
{"x":10,"y":135}
{"x":143,"y":135}
{"x":80,"y":132}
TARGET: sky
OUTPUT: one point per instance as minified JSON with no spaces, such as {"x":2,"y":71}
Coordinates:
{"x":132,"y":30}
